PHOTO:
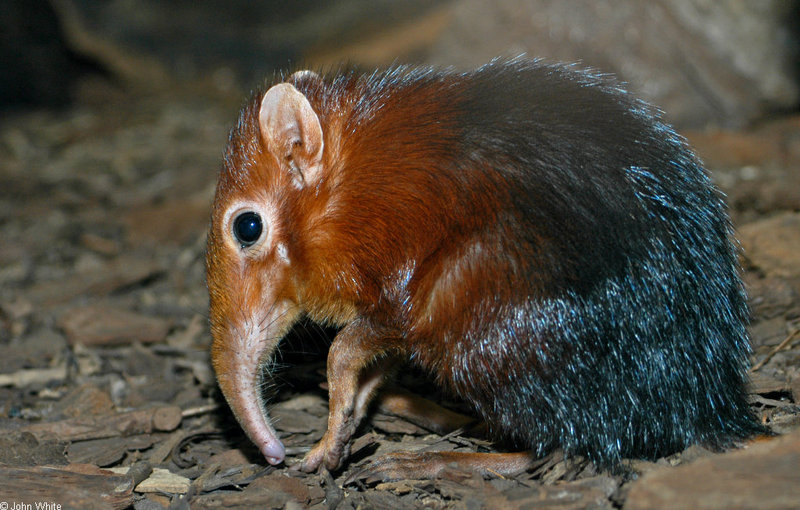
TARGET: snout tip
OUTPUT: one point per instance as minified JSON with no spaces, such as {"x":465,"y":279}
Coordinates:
{"x":274,"y":452}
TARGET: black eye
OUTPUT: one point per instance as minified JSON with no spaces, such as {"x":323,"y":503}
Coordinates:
{"x":247,"y":228}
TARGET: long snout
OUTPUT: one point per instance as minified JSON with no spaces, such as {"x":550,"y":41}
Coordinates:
{"x":242,"y":356}
{"x":242,"y":389}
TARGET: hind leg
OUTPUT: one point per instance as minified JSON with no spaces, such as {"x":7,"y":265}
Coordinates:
{"x":421,"y":412}
{"x":428,"y":465}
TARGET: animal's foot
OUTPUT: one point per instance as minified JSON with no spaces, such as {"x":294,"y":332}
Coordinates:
{"x":428,"y":465}
{"x":330,"y":452}
{"x":399,"y":466}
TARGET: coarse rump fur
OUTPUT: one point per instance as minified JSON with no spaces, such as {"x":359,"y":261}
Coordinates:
{"x":541,"y":243}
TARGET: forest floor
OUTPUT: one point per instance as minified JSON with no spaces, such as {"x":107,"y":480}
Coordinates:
{"x":104,"y":361}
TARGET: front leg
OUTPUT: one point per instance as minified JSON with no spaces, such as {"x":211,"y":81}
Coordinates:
{"x":358,"y":361}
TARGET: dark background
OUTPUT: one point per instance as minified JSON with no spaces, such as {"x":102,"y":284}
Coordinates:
{"x":724,"y":63}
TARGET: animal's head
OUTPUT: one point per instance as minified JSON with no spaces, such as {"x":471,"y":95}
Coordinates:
{"x":265,"y":199}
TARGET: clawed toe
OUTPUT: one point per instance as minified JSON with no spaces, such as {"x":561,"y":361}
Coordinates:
{"x":324,"y":455}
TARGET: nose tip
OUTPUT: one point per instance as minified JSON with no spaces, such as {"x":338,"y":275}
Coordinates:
{"x":273,"y":452}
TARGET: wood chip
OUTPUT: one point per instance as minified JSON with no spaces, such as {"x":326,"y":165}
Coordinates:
{"x":773,"y":245}
{"x":160,"y":480}
{"x":105,"y":325}
{"x":84,"y":400}
{"x":22,"y":449}
{"x":762,"y":384}
{"x":75,"y":486}
{"x":142,"y":421}
{"x":108,"y":451}
{"x":22,"y":378}
{"x":796,"y":389}
{"x":121,"y":272}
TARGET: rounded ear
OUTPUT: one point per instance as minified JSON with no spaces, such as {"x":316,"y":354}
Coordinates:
{"x":292,"y":132}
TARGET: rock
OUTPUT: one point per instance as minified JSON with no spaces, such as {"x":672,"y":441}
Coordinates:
{"x":703,"y":62}
{"x":765,"y":475}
